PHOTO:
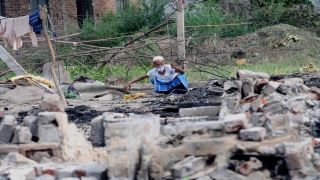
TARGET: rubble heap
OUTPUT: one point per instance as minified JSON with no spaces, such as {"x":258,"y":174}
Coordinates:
{"x":261,"y":129}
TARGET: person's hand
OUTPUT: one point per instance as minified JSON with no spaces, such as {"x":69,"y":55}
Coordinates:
{"x":127,"y":86}
{"x":173,"y":65}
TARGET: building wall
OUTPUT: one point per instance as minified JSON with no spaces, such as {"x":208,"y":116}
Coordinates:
{"x":62,"y":12}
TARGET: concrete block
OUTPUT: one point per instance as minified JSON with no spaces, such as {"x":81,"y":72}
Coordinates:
{"x":6,"y":148}
{"x":29,"y":150}
{"x":258,"y":104}
{"x":60,"y":119}
{"x":172,"y":120}
{"x":270,"y":88}
{"x":7,"y":128}
{"x":97,"y":132}
{"x":45,"y":177}
{"x":26,"y":173}
{"x":284,"y":89}
{"x":210,"y":111}
{"x":32,"y":123}
{"x":298,"y":156}
{"x":277,"y":123}
{"x":189,"y":128}
{"x":123,"y":139}
{"x":96,"y":170}
{"x":17,"y":159}
{"x":257,"y":119}
{"x":247,"y":85}
{"x":66,"y":172}
{"x":235,"y":122}
{"x":51,"y":103}
{"x":274,"y":107}
{"x":48,"y":133}
{"x":21,"y":135}
{"x":253,"y":134}
{"x":187,"y":166}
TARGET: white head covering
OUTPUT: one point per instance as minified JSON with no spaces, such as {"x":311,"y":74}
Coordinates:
{"x":157,"y":58}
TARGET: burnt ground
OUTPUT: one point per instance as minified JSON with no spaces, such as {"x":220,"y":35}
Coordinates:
{"x":168,"y":105}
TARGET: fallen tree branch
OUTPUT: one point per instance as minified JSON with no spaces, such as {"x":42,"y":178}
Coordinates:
{"x":133,"y":40}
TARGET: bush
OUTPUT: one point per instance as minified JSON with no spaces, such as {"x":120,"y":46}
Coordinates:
{"x":131,"y":18}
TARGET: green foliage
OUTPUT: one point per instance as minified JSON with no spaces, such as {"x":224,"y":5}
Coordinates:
{"x":131,"y":18}
{"x":294,"y":12}
{"x":209,"y":13}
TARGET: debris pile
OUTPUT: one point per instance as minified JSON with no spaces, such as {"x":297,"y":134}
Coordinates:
{"x":258,"y":129}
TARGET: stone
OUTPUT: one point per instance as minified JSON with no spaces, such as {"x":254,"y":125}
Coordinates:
{"x":258,"y":104}
{"x":187,"y":166}
{"x":274,"y":107}
{"x":210,"y":111}
{"x":249,"y":166}
{"x":227,"y":175}
{"x":299,"y":109}
{"x":17,"y":159}
{"x":296,"y":100}
{"x":259,"y":84}
{"x":96,"y":170}
{"x":253,"y":134}
{"x":32,"y":123}
{"x":45,"y":177}
{"x":277,"y":123}
{"x":48,"y":133}
{"x":97,"y":132}
{"x":310,"y":103}
{"x":74,"y":146}
{"x":123,"y":139}
{"x":21,"y":135}
{"x":31,"y":149}
{"x":292,"y":80}
{"x":257,"y":119}
{"x":189,"y":128}
{"x":235,"y":122}
{"x":252,"y":74}
{"x":171,"y":120}
{"x":284,"y":89}
{"x":247,"y":85}
{"x":60,"y":119}
{"x":66,"y":171}
{"x":51,"y":103}
{"x":5,"y":149}
{"x":257,"y":175}
{"x":38,"y":156}
{"x":246,"y":147}
{"x":26,"y":173}
{"x":270,"y":88}
{"x":298,"y":155}
{"x":7,"y":128}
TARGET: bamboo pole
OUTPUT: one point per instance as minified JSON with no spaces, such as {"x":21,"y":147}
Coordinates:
{"x":53,"y":56}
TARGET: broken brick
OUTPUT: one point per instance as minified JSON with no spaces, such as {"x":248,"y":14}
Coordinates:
{"x":253,"y":134}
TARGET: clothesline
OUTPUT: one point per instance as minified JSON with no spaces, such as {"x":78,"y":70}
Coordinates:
{"x":13,"y":29}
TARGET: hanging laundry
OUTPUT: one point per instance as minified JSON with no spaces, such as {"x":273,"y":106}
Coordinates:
{"x":35,"y":21}
{"x":12,"y":29}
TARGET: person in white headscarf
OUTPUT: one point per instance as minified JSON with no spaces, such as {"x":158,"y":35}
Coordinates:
{"x":165,"y":78}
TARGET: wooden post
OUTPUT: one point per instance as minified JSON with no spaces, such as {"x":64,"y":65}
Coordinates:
{"x":53,"y":55}
{"x":180,"y":34}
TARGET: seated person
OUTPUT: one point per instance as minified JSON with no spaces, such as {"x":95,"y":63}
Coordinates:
{"x":165,"y":78}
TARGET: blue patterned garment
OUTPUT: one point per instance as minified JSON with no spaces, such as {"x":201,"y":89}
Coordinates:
{"x":35,"y":21}
{"x":178,"y":85}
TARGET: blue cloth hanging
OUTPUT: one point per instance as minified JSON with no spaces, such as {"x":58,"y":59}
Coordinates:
{"x":35,"y":21}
